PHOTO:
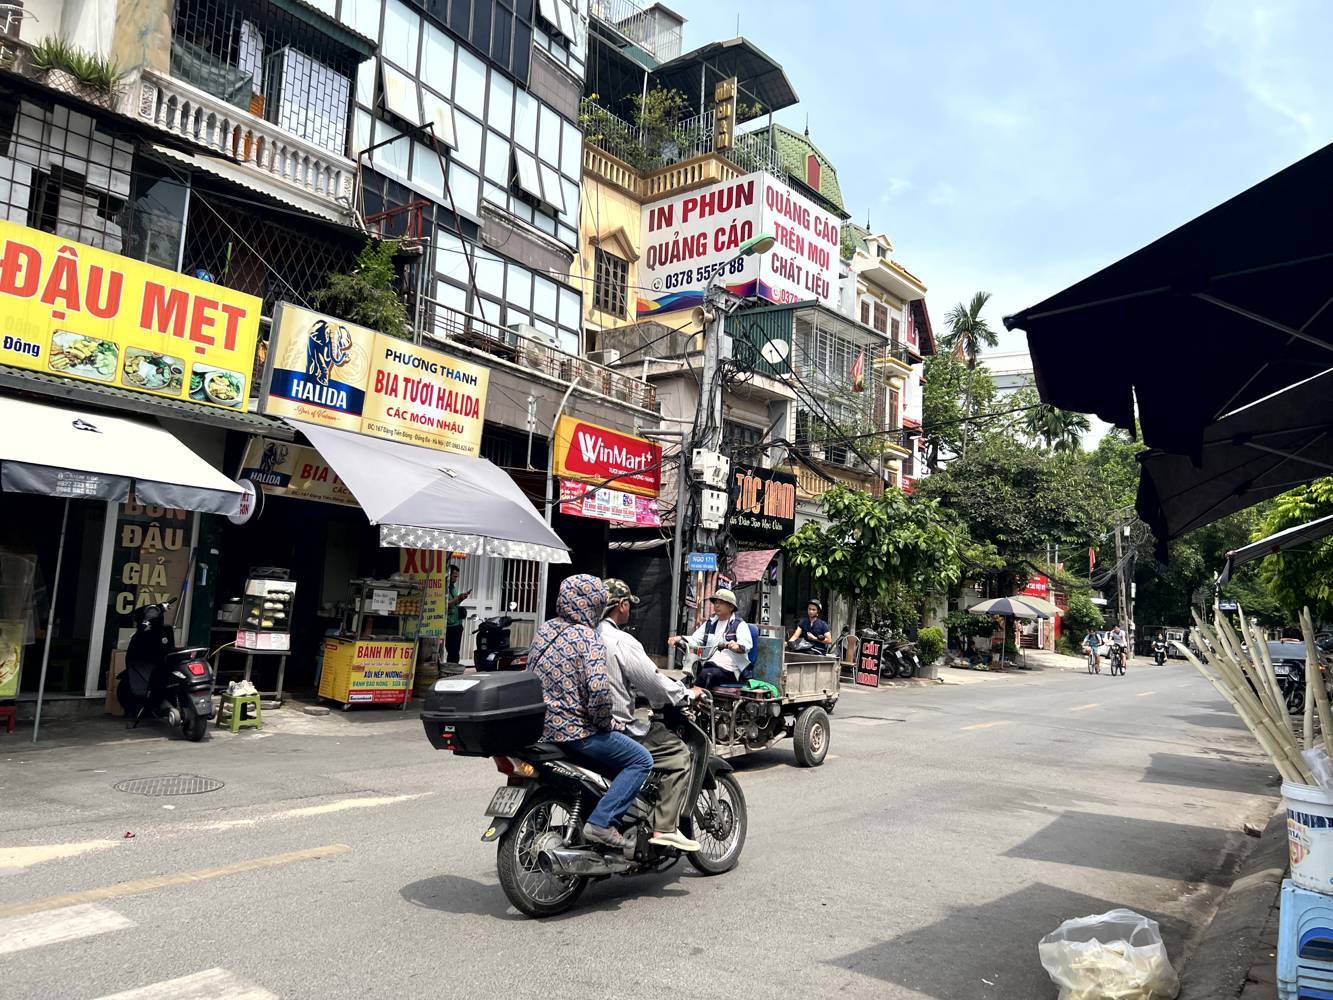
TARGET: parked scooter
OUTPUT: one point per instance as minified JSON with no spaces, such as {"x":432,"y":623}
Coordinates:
{"x":164,"y":682}
{"x":493,"y":649}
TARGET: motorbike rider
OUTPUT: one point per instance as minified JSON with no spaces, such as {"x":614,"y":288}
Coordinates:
{"x":631,"y":674}
{"x":732,"y":654}
{"x":812,"y":629}
{"x":570,"y":659}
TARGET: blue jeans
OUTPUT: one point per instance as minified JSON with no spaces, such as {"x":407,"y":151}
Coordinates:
{"x":614,"y":754}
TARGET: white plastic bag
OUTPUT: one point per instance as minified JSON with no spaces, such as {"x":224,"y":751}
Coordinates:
{"x":1110,"y":956}
{"x":1316,"y":759}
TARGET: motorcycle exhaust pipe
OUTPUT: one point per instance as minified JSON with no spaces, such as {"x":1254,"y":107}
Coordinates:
{"x":572,"y":861}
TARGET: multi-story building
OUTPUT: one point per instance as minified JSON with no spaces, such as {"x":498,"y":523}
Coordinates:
{"x":258,"y":147}
{"x":1010,"y":371}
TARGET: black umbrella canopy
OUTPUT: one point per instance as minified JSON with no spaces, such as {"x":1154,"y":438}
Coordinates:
{"x":1254,"y":453}
{"x":1229,"y":308}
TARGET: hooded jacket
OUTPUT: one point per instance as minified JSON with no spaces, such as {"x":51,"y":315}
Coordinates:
{"x":569,"y":658}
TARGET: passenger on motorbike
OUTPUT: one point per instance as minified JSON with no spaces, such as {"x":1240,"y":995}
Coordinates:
{"x":570,"y":659}
{"x":727,"y":629}
{"x":632,"y":674}
{"x":812,"y":630}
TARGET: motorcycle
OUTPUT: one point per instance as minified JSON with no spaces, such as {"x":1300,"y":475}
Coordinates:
{"x":493,"y":650}
{"x":537,"y":816}
{"x":1159,"y":651}
{"x":162,"y":681}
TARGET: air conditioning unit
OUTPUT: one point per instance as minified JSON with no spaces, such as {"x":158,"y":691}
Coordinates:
{"x":607,"y":358}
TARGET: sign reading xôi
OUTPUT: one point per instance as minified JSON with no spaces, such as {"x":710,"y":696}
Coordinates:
{"x":70,"y":309}
{"x":324,"y":371}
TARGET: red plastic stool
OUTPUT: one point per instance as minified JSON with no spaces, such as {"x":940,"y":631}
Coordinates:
{"x":9,"y":713}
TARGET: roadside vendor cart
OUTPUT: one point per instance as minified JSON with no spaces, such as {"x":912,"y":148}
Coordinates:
{"x":372,"y":660}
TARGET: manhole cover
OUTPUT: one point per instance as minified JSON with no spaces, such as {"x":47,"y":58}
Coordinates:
{"x":169,"y":784}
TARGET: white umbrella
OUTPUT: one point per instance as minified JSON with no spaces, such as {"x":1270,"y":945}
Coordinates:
{"x":427,"y":499}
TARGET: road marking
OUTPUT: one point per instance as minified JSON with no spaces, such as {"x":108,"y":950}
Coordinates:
{"x":26,"y":857}
{"x":166,"y":881}
{"x":321,"y":810}
{"x":1084,"y":708}
{"x":211,"y":984}
{"x":57,"y":925}
{"x":986,"y":725}
{"x":1144,"y":694}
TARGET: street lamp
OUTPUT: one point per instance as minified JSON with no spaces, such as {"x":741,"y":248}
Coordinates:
{"x":760,"y":244}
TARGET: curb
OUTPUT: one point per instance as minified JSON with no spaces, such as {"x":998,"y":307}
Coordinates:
{"x":1222,"y":961}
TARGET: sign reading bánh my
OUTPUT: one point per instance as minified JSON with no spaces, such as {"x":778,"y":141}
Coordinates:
{"x":692,"y":239}
{"x":324,"y":371}
{"x":70,"y":309}
{"x":594,"y":454}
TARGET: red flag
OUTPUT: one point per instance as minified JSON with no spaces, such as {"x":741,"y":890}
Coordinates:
{"x":859,"y":373}
{"x":1092,"y":558}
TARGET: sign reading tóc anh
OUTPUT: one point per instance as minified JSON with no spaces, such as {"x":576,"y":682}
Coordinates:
{"x":763,"y":503}
{"x":337,"y":374}
{"x":594,"y":454}
{"x":73,"y":310}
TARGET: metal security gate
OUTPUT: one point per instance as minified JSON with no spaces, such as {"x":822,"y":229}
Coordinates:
{"x":495,"y":585}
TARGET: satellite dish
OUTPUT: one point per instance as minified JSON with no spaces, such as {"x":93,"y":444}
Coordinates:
{"x":775,"y":352}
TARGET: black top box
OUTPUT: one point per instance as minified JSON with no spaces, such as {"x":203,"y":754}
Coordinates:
{"x":484,"y":714}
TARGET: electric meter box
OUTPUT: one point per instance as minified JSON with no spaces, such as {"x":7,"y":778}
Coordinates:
{"x":712,"y":508}
{"x":710,"y":468}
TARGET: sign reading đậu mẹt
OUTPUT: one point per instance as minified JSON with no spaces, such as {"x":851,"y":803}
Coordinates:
{"x":324,"y":371}
{"x":70,"y":309}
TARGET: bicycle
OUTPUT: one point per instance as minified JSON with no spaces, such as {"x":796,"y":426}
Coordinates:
{"x":1094,"y":666}
{"x":1117,"y":661}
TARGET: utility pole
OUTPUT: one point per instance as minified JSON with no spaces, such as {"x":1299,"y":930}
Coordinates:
{"x":1121,"y":604}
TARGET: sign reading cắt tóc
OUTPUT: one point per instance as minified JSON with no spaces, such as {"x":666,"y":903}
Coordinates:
{"x":337,"y":374}
{"x":693,"y":239}
{"x":73,"y":310}
{"x":594,"y":454}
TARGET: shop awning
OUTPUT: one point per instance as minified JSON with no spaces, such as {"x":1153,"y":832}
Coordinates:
{"x":427,"y":499}
{"x":61,"y":451}
{"x":1283,"y":541}
{"x":749,"y":567}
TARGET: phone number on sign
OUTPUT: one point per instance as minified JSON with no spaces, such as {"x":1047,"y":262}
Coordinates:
{"x":703,"y":273}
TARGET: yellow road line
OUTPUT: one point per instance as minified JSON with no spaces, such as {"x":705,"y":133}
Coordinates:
{"x":1144,"y":694}
{"x":166,"y":881}
{"x":1084,"y":708}
{"x":986,"y":725}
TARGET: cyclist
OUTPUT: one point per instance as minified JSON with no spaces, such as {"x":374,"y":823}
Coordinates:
{"x":1119,"y":639}
{"x":1092,"y":640}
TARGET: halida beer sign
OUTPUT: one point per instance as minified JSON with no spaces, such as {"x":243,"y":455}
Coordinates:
{"x":337,"y":374}
{"x":693,"y":239}
{"x":594,"y":454}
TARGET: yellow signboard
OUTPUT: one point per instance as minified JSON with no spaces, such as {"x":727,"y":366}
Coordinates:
{"x":70,"y":309}
{"x":325,"y":371}
{"x":285,"y":469}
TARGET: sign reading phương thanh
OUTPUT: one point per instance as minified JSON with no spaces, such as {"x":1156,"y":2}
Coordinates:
{"x":693,"y":239}
{"x":594,"y":454}
{"x":73,"y":310}
{"x":324,"y":371}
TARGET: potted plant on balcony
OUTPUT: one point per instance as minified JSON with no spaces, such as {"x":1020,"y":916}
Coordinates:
{"x":367,"y":294}
{"x":63,"y":67}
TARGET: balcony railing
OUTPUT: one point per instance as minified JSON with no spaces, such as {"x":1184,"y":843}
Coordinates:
{"x":452,"y":326}
{"x":189,"y":113}
{"x":636,"y":25}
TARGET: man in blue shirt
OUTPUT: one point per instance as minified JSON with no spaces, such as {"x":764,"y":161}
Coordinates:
{"x":812,"y":629}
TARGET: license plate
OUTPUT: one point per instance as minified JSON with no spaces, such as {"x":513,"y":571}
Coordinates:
{"x":506,"y":801}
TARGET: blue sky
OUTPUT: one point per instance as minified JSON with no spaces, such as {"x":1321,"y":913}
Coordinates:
{"x":1016,"y":147}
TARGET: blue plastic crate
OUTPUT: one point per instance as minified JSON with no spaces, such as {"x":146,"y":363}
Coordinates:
{"x":1305,"y":945}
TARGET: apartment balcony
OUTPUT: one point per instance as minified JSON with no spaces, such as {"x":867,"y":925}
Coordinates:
{"x":490,"y":342}
{"x":261,"y":149}
{"x":649,"y":30}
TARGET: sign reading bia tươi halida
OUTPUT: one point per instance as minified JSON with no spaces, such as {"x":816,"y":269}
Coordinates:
{"x":692,"y":239}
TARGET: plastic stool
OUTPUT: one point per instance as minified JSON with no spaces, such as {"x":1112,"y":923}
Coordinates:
{"x":1305,"y":944}
{"x":238,"y":720}
{"x":9,"y":713}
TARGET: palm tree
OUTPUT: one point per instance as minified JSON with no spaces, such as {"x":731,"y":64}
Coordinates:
{"x":1060,"y":430}
{"x":968,"y":331}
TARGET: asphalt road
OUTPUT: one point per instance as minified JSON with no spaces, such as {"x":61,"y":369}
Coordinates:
{"x":950,"y":828}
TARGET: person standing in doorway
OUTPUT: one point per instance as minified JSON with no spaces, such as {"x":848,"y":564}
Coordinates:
{"x":453,"y":622}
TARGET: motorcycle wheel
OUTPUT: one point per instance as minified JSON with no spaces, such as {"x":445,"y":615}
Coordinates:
{"x":546,"y":814}
{"x":193,"y":725}
{"x":1293,"y":691}
{"x":907,"y":668}
{"x":718,"y":822}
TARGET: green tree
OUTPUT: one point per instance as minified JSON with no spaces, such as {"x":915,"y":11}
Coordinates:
{"x":1081,"y":617}
{"x":874,"y":545}
{"x":1059,"y":430}
{"x":368,"y":294}
{"x":1302,"y":577}
{"x":968,"y":330}
{"x":952,"y":398}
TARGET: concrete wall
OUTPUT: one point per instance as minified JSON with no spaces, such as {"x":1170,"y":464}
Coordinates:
{"x":142,"y":34}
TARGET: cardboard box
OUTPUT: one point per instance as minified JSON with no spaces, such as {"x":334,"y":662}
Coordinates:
{"x":113,"y":676}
